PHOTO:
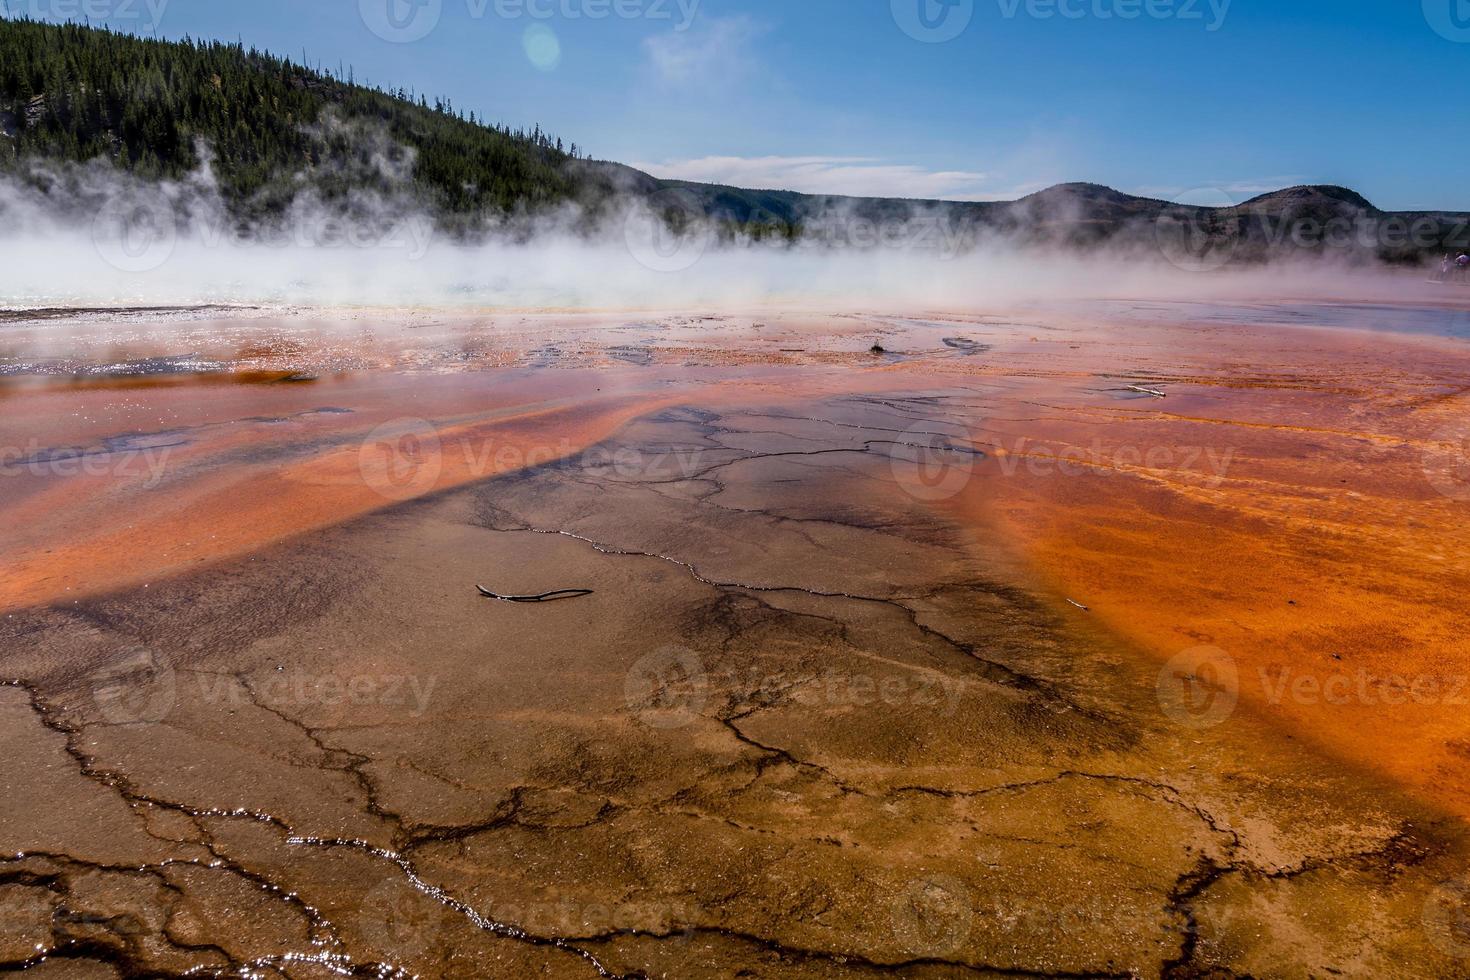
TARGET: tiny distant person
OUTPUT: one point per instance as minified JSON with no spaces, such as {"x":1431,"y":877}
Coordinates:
{"x":1445,"y":265}
{"x":1462,"y":267}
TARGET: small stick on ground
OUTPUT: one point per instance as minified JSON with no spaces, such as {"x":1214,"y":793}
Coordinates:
{"x":543,"y":597}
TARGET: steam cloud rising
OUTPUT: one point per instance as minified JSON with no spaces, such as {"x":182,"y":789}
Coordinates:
{"x":93,"y":236}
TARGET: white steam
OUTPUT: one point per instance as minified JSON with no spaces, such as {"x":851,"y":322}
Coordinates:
{"x":92,"y":236}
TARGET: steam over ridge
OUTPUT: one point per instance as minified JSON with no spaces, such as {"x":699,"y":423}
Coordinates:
{"x":92,"y":235}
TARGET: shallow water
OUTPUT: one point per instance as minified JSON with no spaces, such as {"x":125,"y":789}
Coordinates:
{"x":1428,"y":320}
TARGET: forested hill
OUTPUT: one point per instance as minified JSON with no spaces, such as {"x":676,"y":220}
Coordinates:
{"x":76,"y":93}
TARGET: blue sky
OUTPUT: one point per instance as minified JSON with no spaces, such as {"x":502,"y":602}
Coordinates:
{"x":1200,"y":99}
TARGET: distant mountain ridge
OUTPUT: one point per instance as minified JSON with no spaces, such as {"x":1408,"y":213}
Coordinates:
{"x":1307,"y":219}
{"x":71,"y":94}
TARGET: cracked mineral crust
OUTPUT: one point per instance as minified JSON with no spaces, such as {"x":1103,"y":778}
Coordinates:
{"x":875,"y":677}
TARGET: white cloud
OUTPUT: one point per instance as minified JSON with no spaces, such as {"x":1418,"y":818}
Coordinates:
{"x":854,"y":176}
{"x":716,"y":52}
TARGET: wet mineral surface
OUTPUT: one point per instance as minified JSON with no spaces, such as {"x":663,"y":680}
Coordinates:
{"x":960,"y":660}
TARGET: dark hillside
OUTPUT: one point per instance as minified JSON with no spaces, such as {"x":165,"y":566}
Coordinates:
{"x":73,"y":93}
